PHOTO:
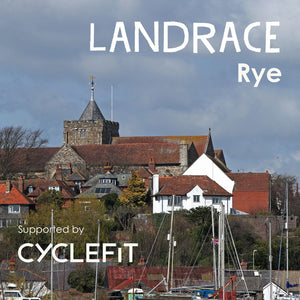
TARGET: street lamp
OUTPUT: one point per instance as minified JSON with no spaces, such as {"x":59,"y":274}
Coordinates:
{"x":253,"y":257}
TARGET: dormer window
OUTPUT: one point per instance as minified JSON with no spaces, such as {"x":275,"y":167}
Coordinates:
{"x":30,"y":189}
{"x":54,"y":188}
{"x":108,"y":180}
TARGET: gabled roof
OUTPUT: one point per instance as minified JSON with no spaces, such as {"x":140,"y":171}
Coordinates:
{"x":122,"y":179}
{"x":200,"y":141}
{"x":76,"y":176}
{"x":41,"y":185}
{"x":130,"y":154}
{"x":181,"y":185}
{"x":101,"y":189}
{"x":14,"y":196}
{"x":32,"y":159}
{"x":250,"y":181}
{"x":91,"y":112}
{"x":44,"y":184}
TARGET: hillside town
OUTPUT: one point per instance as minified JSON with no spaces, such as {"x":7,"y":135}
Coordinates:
{"x":180,"y":175}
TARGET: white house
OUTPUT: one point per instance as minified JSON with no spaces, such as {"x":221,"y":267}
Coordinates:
{"x":212,"y":168}
{"x":190,"y":192}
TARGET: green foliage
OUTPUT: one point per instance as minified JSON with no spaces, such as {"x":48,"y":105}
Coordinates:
{"x":111,"y":201}
{"x":9,"y":242}
{"x":51,"y":197}
{"x":82,"y":280}
{"x":83,"y":213}
{"x":136,"y":194}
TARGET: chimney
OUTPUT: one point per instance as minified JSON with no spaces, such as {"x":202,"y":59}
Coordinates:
{"x":184,"y":155}
{"x":7,"y":186}
{"x":58,"y":173}
{"x":151,"y":165}
{"x":21,"y":184}
{"x":155,"y":188}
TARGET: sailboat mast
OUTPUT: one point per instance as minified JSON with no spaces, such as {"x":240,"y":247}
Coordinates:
{"x":170,"y":244}
{"x":214,"y":248}
{"x":287,"y":235}
{"x":222,"y":251}
{"x":270,"y":259}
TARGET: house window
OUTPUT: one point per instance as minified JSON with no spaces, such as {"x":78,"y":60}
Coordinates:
{"x":14,"y":209}
{"x":83,"y":133}
{"x":2,"y":223}
{"x":12,"y":222}
{"x":30,"y":189}
{"x":177,"y":201}
{"x":196,"y":198}
{"x":216,"y":200}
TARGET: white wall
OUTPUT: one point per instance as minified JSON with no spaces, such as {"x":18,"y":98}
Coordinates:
{"x":188,"y":203}
{"x":205,"y":166}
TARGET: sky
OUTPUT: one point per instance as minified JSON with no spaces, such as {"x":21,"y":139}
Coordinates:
{"x":46,"y":62}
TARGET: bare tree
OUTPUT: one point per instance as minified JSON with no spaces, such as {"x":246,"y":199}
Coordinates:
{"x":278,"y":194}
{"x":11,"y":140}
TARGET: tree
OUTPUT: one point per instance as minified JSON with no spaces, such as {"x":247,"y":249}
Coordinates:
{"x":51,"y":197}
{"x":111,"y":201}
{"x":136,"y":194}
{"x":83,"y":214}
{"x":13,"y":138}
{"x":82,"y":280}
{"x":278,"y":194}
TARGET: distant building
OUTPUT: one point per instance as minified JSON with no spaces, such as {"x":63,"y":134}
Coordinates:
{"x":189,"y":192}
{"x":240,"y":193}
{"x":14,"y":205}
{"x":91,"y":128}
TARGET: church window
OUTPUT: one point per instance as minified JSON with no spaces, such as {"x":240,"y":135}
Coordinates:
{"x":83,"y":133}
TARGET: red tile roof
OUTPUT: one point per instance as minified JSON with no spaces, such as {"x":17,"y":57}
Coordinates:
{"x":13,"y":197}
{"x":181,"y":185}
{"x":32,"y":159}
{"x":41,"y":185}
{"x":199,"y":141}
{"x":135,"y":154}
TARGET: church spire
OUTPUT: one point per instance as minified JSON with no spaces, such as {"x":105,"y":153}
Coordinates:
{"x":92,"y":88}
{"x":92,"y":111}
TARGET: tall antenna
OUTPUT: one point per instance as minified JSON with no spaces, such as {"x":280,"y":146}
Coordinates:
{"x":112,"y":102}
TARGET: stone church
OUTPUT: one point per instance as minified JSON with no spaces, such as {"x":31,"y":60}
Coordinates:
{"x":91,"y":128}
{"x":92,"y":145}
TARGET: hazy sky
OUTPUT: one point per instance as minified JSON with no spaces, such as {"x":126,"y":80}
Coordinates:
{"x":45,"y":64}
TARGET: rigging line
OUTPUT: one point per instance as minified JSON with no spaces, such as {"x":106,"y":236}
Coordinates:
{"x":243,"y":277}
{"x":198,"y":242}
{"x":200,"y":250}
{"x":280,"y":248}
{"x":230,"y":248}
{"x":152,"y":247}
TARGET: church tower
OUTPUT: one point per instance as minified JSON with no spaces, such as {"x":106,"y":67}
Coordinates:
{"x":91,"y":128}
